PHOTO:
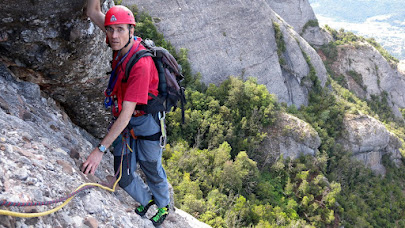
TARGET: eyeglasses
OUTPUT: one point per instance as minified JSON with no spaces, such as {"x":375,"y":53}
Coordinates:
{"x":112,"y":30}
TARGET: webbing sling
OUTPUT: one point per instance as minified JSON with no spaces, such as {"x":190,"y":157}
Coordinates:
{"x":154,"y":137}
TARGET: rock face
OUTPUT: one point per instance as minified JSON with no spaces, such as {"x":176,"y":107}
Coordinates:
{"x":369,"y":140}
{"x":290,"y":137}
{"x":298,"y":14}
{"x":59,"y":49}
{"x":226,"y":38}
{"x":316,"y":36}
{"x":40,"y":155}
{"x":368,"y":73}
{"x":401,"y":67}
{"x":64,"y":53}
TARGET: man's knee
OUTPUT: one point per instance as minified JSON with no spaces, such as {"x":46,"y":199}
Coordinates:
{"x":153,"y":171}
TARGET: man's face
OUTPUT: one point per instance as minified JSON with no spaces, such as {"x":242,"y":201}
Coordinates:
{"x":118,"y":35}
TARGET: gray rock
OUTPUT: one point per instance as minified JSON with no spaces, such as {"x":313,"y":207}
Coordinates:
{"x":66,"y":219}
{"x":369,"y":140}
{"x":93,"y":203}
{"x":401,"y":67}
{"x":290,"y":137}
{"x":371,"y":159}
{"x":21,"y":174}
{"x":317,"y":36}
{"x":296,"y":13}
{"x":50,"y":172}
{"x":59,"y":49}
{"x":191,"y":220}
{"x":217,"y":50}
{"x":21,"y":225}
{"x":26,"y":161}
{"x":38,"y":195}
{"x":9,"y":148}
{"x":364,"y":134}
{"x":393,"y":149}
{"x":78,"y":221}
{"x":374,"y":74}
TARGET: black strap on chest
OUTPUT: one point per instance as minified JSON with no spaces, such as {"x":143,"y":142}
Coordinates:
{"x":133,"y":60}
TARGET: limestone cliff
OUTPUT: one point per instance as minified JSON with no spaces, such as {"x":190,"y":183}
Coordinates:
{"x":301,"y":17}
{"x":227,"y":38}
{"x":367,"y":73}
{"x":369,"y":140}
{"x":295,"y":12}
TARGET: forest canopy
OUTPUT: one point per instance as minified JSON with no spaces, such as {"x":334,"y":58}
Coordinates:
{"x":208,"y":158}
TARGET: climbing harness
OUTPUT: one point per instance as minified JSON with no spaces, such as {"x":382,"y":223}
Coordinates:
{"x":65,"y":199}
{"x":160,"y":136}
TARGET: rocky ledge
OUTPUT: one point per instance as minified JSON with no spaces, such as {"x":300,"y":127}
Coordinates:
{"x":41,"y":151}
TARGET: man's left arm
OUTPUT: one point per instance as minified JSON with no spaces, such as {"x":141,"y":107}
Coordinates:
{"x":94,"y":159}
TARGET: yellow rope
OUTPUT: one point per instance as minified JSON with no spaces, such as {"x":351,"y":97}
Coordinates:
{"x":31,"y":215}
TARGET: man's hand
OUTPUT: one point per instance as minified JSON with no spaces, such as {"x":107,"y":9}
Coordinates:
{"x":92,"y":162}
{"x":94,"y":159}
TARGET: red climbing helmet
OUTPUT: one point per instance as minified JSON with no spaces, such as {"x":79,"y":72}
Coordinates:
{"x":119,"y":15}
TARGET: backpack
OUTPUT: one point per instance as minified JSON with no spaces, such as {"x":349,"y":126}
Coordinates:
{"x":169,"y":71}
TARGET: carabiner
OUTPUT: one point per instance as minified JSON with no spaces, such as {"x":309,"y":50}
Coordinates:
{"x":162,"y":141}
{"x":163,"y":137}
{"x":107,"y":102}
{"x":162,"y":116}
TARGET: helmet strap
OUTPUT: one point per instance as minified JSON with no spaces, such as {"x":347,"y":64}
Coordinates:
{"x":126,"y":45}
{"x":129,"y":39}
{"x":129,"y":36}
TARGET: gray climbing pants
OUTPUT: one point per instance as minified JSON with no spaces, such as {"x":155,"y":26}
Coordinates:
{"x":146,"y":153}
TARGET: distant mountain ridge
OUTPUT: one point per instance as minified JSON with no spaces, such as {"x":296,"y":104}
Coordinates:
{"x":383,"y":20}
{"x":350,"y":10}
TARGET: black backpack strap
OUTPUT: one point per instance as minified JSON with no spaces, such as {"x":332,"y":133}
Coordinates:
{"x":182,"y":103}
{"x":155,"y":137}
{"x":133,"y":60}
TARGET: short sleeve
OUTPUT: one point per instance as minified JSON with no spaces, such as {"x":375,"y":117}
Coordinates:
{"x":139,"y":81}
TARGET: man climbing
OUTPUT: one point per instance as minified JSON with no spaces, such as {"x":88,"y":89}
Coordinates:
{"x":132,"y":130}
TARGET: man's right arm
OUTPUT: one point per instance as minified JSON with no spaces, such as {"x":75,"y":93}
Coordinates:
{"x":95,"y":13}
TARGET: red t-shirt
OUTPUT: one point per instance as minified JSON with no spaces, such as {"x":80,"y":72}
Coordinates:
{"x":143,"y":79}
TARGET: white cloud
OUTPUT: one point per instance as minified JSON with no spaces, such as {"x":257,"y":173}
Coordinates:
{"x":379,"y":18}
{"x":400,"y":22}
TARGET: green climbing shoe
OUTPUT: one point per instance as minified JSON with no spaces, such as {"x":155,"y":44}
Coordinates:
{"x":160,"y":216}
{"x":141,"y":210}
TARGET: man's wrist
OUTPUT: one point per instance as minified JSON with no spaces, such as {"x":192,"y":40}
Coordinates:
{"x":102,"y":148}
